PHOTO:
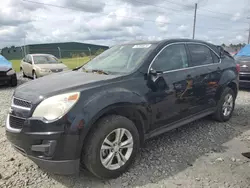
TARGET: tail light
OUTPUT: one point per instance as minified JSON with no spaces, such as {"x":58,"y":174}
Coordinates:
{"x":238,"y":67}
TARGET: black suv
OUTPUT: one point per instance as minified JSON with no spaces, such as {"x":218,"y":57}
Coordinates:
{"x":98,"y":115}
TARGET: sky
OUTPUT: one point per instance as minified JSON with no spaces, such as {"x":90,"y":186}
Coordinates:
{"x":110,"y":22}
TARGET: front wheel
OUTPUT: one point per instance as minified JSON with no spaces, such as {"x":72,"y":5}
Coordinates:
{"x":225,"y":106}
{"x":22,"y":72}
{"x":111,"y":147}
{"x":34,"y":76}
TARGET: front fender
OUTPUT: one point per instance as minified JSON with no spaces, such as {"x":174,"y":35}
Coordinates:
{"x":103,"y":99}
{"x":100,"y":103}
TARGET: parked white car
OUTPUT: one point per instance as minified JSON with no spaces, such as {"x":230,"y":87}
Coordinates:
{"x":38,"y":65}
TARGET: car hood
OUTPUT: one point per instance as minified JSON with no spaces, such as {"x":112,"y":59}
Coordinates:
{"x":52,"y":66}
{"x":4,"y":68}
{"x":4,"y":64}
{"x":59,"y":83}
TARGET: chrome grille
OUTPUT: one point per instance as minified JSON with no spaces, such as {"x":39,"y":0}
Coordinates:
{"x":56,"y":70}
{"x":2,"y":73}
{"x":22,"y":103}
{"x":16,"y":122}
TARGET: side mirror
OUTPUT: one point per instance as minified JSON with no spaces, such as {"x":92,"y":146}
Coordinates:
{"x":154,"y":72}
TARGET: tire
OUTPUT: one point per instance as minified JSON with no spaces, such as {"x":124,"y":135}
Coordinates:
{"x":94,"y":157}
{"x":220,"y":114}
{"x":13,"y":81}
{"x":34,"y":76}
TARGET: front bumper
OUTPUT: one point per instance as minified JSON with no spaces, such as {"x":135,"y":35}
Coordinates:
{"x":41,"y":74}
{"x":62,"y":167}
{"x":53,"y":151}
{"x":6,"y":79}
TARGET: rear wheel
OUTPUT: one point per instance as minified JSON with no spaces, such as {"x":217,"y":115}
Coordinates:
{"x":225,"y":106}
{"x":111,"y":147}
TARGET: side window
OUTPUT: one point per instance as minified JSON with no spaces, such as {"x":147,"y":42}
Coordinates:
{"x":29,"y":59}
{"x":171,"y":58}
{"x":25,"y":59}
{"x":200,"y":55}
{"x":216,"y":59}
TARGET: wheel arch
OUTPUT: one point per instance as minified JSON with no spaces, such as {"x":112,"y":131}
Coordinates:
{"x":134,"y":113}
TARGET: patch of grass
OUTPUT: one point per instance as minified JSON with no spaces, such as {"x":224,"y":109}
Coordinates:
{"x":16,"y":65}
{"x":70,"y":62}
{"x":75,"y":62}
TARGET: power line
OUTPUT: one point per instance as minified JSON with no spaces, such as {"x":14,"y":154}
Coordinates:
{"x":128,"y":17}
{"x":208,"y":10}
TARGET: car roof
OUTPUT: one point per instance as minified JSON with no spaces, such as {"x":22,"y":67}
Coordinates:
{"x":168,"y":41}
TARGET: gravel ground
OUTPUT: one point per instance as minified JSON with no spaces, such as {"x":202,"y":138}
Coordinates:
{"x":202,"y":154}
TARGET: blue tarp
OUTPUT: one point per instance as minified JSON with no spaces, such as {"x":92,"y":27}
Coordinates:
{"x":245,"y":51}
{"x":4,"y":62}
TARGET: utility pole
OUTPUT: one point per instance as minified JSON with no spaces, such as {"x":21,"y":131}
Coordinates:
{"x":249,"y":31}
{"x":60,"y":54}
{"x":249,"y":35}
{"x":195,"y":11}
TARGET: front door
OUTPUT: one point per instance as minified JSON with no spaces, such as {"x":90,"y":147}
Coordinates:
{"x":29,"y":66}
{"x":169,"y":87}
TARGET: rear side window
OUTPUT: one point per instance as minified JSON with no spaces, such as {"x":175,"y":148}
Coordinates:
{"x":200,"y":55}
{"x":216,"y":59}
{"x":172,"y":57}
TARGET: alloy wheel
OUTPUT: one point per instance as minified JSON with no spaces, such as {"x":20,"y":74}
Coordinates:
{"x":227,"y":105}
{"x":116,"y":149}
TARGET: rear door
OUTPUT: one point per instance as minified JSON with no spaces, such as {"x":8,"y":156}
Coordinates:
{"x":205,"y":73}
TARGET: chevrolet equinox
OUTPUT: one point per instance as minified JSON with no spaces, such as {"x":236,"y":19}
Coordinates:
{"x":98,"y":115}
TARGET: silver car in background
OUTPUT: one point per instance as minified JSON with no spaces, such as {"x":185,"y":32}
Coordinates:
{"x":38,"y":65}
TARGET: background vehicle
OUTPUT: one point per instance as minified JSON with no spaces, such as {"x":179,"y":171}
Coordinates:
{"x":243,"y":59}
{"x":7,"y":74}
{"x":99,"y":115}
{"x":38,"y":65}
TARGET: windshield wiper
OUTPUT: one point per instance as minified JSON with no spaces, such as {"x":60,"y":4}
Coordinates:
{"x":99,"y":71}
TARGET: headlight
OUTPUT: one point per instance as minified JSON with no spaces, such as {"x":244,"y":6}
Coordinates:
{"x":11,"y":72}
{"x":55,"y":107}
{"x":65,"y":69}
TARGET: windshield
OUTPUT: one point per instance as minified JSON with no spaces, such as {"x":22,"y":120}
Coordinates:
{"x":120,"y":59}
{"x":45,"y":59}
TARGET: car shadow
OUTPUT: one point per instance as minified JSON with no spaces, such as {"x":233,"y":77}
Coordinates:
{"x":171,"y":153}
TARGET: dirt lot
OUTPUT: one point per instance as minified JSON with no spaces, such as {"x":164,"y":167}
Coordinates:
{"x":202,"y":154}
